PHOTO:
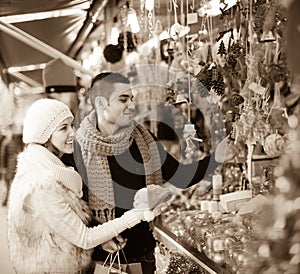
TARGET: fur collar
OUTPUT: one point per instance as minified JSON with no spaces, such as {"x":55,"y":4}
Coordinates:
{"x":67,"y":176}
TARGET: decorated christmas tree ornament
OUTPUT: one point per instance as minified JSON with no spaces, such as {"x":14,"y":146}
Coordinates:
{"x":177,"y":30}
{"x":274,"y":145}
{"x":236,"y":99}
{"x":221,"y":49}
{"x":269,"y":22}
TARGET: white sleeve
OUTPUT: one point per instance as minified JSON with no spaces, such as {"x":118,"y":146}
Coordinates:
{"x":175,"y":190}
{"x":58,"y":215}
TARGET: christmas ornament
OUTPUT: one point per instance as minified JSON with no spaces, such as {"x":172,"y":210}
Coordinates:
{"x":274,"y":145}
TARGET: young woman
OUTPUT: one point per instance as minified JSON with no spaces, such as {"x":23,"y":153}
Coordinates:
{"x":47,"y":219}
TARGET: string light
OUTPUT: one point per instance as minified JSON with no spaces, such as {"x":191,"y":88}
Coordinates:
{"x":149,"y":5}
{"x":114,"y":35}
{"x":132,"y":20}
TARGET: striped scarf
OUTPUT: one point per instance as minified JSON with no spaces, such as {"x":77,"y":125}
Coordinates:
{"x":95,"y":148}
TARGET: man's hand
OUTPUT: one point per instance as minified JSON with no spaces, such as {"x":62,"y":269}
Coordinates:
{"x":114,"y":245}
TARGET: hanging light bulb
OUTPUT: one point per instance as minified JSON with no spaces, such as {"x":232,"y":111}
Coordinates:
{"x":132,"y":20}
{"x":149,"y":5}
{"x":114,"y":35}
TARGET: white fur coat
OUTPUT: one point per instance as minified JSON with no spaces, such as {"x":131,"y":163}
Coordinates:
{"x":34,"y":247}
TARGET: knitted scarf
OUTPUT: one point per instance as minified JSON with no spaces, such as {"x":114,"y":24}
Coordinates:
{"x":95,"y":148}
{"x":67,"y":176}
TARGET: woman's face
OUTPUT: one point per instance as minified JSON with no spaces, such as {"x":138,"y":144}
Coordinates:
{"x":62,"y":137}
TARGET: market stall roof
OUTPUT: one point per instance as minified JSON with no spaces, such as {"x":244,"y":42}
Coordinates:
{"x":63,"y":25}
{"x":60,"y":24}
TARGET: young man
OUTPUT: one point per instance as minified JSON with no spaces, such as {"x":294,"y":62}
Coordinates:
{"x":117,"y":157}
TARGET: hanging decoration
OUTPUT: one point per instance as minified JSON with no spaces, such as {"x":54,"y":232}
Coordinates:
{"x":215,"y":7}
{"x":269,"y":24}
{"x":222,"y":49}
{"x":113,"y":53}
{"x":177,"y":30}
{"x":211,"y":77}
{"x":274,"y":145}
{"x":189,"y":131}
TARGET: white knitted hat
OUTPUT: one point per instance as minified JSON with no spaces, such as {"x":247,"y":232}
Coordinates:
{"x":42,"y":118}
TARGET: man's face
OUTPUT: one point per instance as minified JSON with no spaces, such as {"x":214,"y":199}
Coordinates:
{"x":120,"y":108}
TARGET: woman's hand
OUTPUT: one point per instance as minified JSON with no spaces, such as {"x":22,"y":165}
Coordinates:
{"x":151,"y":197}
{"x":114,"y":245}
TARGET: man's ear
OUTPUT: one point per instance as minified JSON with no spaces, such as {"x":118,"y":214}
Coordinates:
{"x":100,"y":105}
{"x":100,"y":102}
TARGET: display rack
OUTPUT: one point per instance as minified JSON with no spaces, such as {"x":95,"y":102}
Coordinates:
{"x":163,"y":235}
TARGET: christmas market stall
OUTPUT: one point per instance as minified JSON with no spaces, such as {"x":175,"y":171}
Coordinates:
{"x":202,"y":71}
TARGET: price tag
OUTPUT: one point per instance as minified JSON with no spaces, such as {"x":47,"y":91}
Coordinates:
{"x":257,"y":88}
{"x":192,"y":18}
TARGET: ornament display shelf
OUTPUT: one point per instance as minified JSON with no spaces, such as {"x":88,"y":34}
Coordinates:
{"x":165,"y":236}
{"x":255,"y":157}
{"x":261,"y":157}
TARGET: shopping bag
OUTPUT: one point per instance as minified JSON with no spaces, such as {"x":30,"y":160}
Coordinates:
{"x":131,"y":268}
{"x":111,"y":265}
{"x":134,"y":268}
{"x":104,"y":269}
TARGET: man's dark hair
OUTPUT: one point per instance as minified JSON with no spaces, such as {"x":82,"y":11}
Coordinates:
{"x":113,"y":77}
{"x":102,"y":85}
